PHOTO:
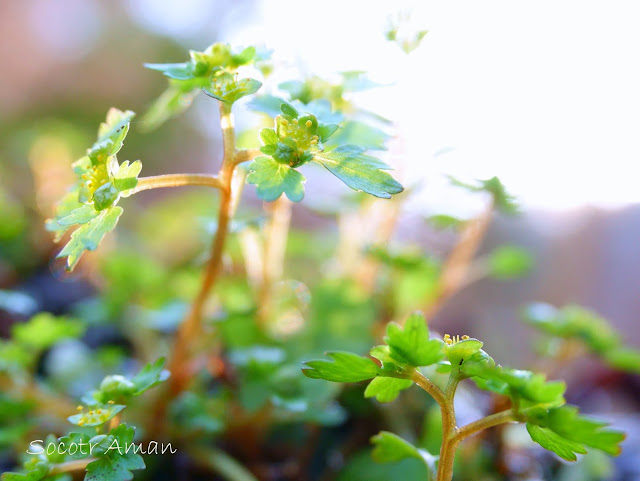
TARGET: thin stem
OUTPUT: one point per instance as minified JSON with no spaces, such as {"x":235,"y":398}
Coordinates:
{"x":274,"y":252}
{"x":191,"y":328}
{"x":115,"y":421}
{"x":245,"y":155}
{"x":176,"y":180}
{"x":457,"y":264}
{"x":449,"y":430}
{"x":223,"y":464}
{"x":70,"y":466}
{"x":435,"y":392}
{"x":470,"y":429}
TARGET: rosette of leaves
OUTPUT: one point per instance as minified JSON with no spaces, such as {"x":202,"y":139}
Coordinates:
{"x":297,"y":140}
{"x":214,"y":71}
{"x":102,"y":181}
{"x":553,"y":424}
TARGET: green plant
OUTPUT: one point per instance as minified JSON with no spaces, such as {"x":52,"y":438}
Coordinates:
{"x":409,"y":349}
{"x":235,"y":386}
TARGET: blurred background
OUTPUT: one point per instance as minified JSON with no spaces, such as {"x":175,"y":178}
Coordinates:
{"x":544,"y":96}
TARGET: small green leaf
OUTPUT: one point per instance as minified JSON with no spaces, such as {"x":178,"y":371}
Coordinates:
{"x":88,"y":236}
{"x":288,"y":110}
{"x":227,"y":89}
{"x":361,"y":134}
{"x":126,"y":176}
{"x":96,"y":415}
{"x":267,"y":104}
{"x":36,"y":473}
{"x":65,"y":207}
{"x":567,"y":423}
{"x":326,"y":130}
{"x":171,"y":103}
{"x":516,"y":383}
{"x":178,"y":71}
{"x":149,"y":376}
{"x":119,"y":460}
{"x":105,"y":196}
{"x":343,"y":367}
{"x":81,"y":443}
{"x":386,"y":389}
{"x":359,"y":171}
{"x":44,"y":330}
{"x":443,"y":221}
{"x":502,"y":200}
{"x":115,"y":387}
{"x":111,"y":135}
{"x":244,"y":57}
{"x":390,"y":448}
{"x":459,"y":352}
{"x":508,"y":262}
{"x":574,"y":322}
{"x":546,"y":438}
{"x":268,"y":136}
{"x":81,"y":215}
{"x":272,"y":179}
{"x":411,"y":344}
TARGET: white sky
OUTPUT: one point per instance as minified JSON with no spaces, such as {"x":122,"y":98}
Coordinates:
{"x":544,"y":94}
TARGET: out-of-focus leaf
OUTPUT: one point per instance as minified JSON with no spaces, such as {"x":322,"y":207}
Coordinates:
{"x":508,"y":262}
{"x":44,"y":330}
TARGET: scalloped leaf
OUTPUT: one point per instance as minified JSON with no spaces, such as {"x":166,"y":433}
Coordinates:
{"x":391,"y":448}
{"x":118,"y":461}
{"x":410,"y":344}
{"x":149,"y":376}
{"x":359,"y":171}
{"x":343,"y":367}
{"x":88,"y":236}
{"x":272,"y":179}
{"x":386,"y":389}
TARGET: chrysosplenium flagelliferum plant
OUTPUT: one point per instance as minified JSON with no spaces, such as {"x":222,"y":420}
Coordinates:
{"x":314,"y":122}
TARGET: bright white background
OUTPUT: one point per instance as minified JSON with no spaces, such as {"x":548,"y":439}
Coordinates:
{"x":544,"y":94}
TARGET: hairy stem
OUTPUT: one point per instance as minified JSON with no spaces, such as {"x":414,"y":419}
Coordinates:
{"x":191,"y":328}
{"x":176,"y":180}
{"x":470,"y":429}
